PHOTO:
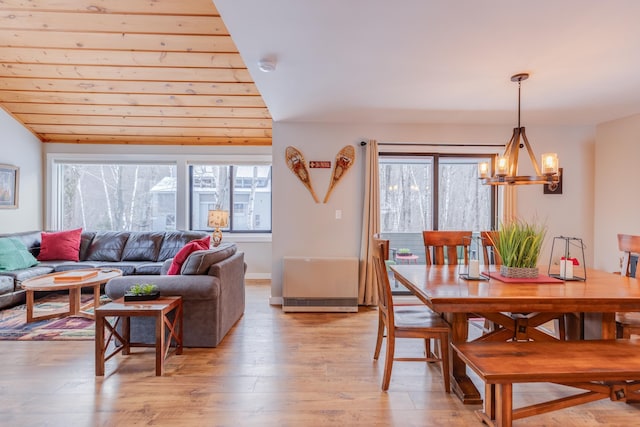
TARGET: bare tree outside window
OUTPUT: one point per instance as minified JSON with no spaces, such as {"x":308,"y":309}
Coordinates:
{"x":408,"y":205}
{"x":464,"y":203}
{"x":243,"y":190}
{"x":134,"y":197}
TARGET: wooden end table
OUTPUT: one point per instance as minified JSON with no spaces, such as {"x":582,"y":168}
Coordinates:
{"x":121,"y":310}
{"x":48,"y":283}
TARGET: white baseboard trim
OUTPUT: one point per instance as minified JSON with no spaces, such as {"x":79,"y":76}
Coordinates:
{"x":275,"y":301}
{"x":258,"y":276}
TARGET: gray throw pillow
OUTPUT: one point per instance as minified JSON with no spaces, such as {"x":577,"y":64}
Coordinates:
{"x":200,"y":261}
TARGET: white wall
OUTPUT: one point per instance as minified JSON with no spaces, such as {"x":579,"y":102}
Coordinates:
{"x":617,"y":199}
{"x":304,"y":228}
{"x":257,"y":247}
{"x":19,"y":147}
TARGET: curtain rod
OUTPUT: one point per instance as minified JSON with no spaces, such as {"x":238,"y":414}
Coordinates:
{"x":418,"y":144}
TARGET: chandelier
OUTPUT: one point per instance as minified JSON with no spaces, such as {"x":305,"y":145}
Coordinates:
{"x":506,"y":167}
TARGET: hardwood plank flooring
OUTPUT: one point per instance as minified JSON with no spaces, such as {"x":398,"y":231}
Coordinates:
{"x":273,"y":369}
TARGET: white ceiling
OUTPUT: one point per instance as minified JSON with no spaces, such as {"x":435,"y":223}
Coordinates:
{"x":442,"y":61}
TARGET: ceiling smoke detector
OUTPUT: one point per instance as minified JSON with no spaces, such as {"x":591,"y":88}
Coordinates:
{"x":267,"y":65}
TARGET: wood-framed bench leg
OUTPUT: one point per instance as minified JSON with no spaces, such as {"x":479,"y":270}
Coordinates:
{"x":504,"y":405}
{"x":498,"y":405}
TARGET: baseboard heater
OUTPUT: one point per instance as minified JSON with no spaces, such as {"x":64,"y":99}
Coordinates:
{"x":328,"y":284}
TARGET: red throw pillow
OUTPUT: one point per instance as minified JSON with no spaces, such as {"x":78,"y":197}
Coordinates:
{"x":60,"y":245}
{"x":183,"y":254}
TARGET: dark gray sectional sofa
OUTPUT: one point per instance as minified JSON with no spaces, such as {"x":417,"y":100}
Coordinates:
{"x":211,"y":282}
{"x":135,"y":253}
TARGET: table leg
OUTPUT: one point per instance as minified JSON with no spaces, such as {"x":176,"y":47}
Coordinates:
{"x":29,"y":306}
{"x":74,"y":301}
{"x":608,"y":326}
{"x":31,"y":316}
{"x":126,"y":334}
{"x":461,"y":384}
{"x":160,"y":344}
{"x":179,"y":317}
{"x":95,"y":303}
{"x":100,"y":345}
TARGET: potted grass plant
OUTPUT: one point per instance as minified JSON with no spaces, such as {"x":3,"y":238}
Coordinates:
{"x":142,"y":292}
{"x":519,"y":243}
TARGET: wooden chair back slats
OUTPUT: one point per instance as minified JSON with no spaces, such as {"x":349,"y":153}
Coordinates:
{"x":437,"y":243}
{"x":491,"y":256}
{"x":628,"y":245}
{"x":384,"y":287}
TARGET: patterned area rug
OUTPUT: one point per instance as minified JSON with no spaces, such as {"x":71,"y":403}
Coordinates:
{"x":14,"y":326}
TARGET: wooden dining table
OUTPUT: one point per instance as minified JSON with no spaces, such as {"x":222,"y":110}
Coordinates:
{"x":518,"y":309}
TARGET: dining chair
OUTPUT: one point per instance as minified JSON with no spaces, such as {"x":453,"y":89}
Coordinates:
{"x":629,"y":245}
{"x":378,"y":240}
{"x":407,"y":322}
{"x":492,"y":260}
{"x":441,"y":247}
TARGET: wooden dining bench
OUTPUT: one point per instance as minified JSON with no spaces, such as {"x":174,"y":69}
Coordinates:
{"x":604,"y":368}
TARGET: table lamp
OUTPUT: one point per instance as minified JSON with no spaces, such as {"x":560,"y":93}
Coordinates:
{"x":217,"y":218}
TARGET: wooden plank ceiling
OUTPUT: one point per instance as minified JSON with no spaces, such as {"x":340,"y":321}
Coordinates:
{"x":127,"y":72}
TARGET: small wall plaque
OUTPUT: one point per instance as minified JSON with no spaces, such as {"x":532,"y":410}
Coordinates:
{"x":320,"y":164}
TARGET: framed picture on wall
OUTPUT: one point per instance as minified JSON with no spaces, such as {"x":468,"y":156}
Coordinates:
{"x":9,"y":181}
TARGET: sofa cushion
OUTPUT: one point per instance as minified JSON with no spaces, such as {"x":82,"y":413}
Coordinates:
{"x":143,"y":246}
{"x":28,"y":273}
{"x":148,"y":268}
{"x":14,"y":255}
{"x":175,"y":240}
{"x":107,"y":246}
{"x":183,"y":254}
{"x":200,"y":261}
{"x":76,"y":265}
{"x":85,"y":242}
{"x":60,"y":245}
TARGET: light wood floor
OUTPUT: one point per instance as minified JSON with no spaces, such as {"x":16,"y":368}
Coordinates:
{"x":273,"y":369}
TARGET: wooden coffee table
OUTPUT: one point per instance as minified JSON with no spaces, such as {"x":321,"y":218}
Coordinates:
{"x":121,"y":310}
{"x":48,"y":283}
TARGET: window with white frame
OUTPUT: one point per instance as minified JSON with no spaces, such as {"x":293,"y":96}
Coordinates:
{"x":242,"y":190}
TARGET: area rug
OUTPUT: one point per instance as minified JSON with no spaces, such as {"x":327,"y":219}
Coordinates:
{"x":14,"y":326}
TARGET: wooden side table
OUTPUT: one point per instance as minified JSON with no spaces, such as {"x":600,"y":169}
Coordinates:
{"x":123,"y":311}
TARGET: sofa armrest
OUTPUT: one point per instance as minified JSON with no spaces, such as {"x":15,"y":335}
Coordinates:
{"x":188,"y":287}
{"x":230,"y":271}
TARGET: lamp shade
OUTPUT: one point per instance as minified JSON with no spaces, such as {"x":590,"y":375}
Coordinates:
{"x":218,"y":218}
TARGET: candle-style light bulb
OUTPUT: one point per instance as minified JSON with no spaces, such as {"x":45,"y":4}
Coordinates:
{"x":483,"y":169}
{"x":549,"y":164}
{"x":502,"y":166}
